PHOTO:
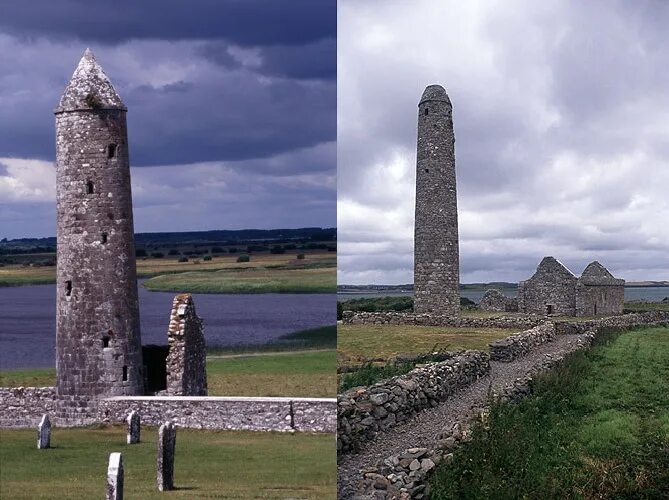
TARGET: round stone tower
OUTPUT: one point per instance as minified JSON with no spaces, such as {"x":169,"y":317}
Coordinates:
{"x":98,"y":344}
{"x":436,"y":258}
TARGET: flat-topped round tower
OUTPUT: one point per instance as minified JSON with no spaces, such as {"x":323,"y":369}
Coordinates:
{"x":98,"y":340}
{"x":436,"y":257}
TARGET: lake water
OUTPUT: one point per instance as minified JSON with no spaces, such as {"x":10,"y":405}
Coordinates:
{"x":650,"y":294}
{"x":28,"y":325}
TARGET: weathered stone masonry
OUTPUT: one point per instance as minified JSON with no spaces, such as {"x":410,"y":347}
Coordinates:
{"x":98,"y":340}
{"x":401,"y":318}
{"x":436,"y":254}
{"x":363,"y":412}
{"x":187,"y":358}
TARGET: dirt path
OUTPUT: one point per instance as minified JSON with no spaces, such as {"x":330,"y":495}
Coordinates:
{"x":422,"y":431}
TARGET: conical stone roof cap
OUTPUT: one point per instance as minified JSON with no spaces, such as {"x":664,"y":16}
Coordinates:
{"x":89,"y":88}
{"x":434,"y":93}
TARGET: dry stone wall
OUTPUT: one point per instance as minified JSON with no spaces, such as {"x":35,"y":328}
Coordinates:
{"x":400,"y":318}
{"x":625,"y":321}
{"x":23,"y":407}
{"x":514,"y":346}
{"x":362,"y":412}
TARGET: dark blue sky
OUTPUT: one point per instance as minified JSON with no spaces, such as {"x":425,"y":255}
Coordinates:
{"x":232,"y":108}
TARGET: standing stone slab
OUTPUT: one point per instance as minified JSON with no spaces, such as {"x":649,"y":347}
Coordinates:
{"x":186,"y":360}
{"x":167,"y":437}
{"x":115,"y":477}
{"x":436,"y":254}
{"x":44,"y":433}
{"x":133,"y":427}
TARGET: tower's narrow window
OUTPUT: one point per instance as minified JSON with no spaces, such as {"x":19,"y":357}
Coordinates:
{"x":125,"y":374}
{"x":427,"y":170}
{"x":103,"y":240}
{"x":68,"y":288}
{"x":427,"y":111}
{"x":110,"y":216}
{"x":105,"y":341}
{"x":111,"y":151}
{"x":89,"y":187}
{"x":595,"y":309}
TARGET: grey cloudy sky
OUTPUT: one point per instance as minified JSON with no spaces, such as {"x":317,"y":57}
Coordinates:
{"x":562,"y":133}
{"x":232,"y":108}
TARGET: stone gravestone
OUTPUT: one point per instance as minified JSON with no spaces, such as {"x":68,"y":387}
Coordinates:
{"x":115,"y":477}
{"x":133,"y":427}
{"x":44,"y":433}
{"x":167,"y":436}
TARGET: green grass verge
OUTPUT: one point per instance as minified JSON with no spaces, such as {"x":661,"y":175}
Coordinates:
{"x":303,"y":374}
{"x":596,"y":427}
{"x":208,"y":464}
{"x":298,"y":374}
{"x":260,"y":280}
{"x":647,"y":306}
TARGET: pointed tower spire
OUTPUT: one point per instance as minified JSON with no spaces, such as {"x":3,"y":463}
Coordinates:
{"x":89,"y":88}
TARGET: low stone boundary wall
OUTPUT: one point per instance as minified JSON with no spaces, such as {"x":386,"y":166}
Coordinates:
{"x":519,"y":344}
{"x":400,"y":318}
{"x":23,"y":407}
{"x":625,"y":321}
{"x":405,"y":475}
{"x":364,"y":411}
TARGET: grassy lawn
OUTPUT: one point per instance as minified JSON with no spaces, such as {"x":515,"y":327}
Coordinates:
{"x":256,"y":280}
{"x":302,"y":374}
{"x":597,"y":427}
{"x":14,"y":275}
{"x":647,"y":306}
{"x":208,"y":464}
{"x":298,"y":374}
{"x":358,"y":342}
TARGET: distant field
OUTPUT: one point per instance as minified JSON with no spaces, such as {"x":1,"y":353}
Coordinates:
{"x":298,"y":374}
{"x":596,"y":427}
{"x":208,"y":464}
{"x":256,"y":280}
{"x":16,"y":275}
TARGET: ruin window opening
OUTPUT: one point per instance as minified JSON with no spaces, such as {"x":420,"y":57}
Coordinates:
{"x":89,"y":187}
{"x":549,"y":309}
{"x":104,"y":238}
{"x":427,"y":111}
{"x":111,"y":151}
{"x":110,"y":216}
{"x":595,"y":309}
{"x":427,"y":170}
{"x":68,"y":288}
{"x":105,"y":341}
{"x":125,"y":373}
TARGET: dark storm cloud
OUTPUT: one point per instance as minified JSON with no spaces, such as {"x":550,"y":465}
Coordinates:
{"x":561,"y":136}
{"x":245,"y":86}
{"x":243,"y":22}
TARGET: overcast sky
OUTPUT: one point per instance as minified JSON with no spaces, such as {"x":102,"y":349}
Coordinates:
{"x":232,"y":108}
{"x":561,"y":114}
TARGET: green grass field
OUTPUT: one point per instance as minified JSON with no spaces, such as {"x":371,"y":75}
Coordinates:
{"x":298,"y":374}
{"x":359,"y":342}
{"x":208,"y":464}
{"x":302,"y":374}
{"x":596,"y":427}
{"x":256,"y":280}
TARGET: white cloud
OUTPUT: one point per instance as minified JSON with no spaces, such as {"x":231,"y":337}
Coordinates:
{"x":561,"y":134}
